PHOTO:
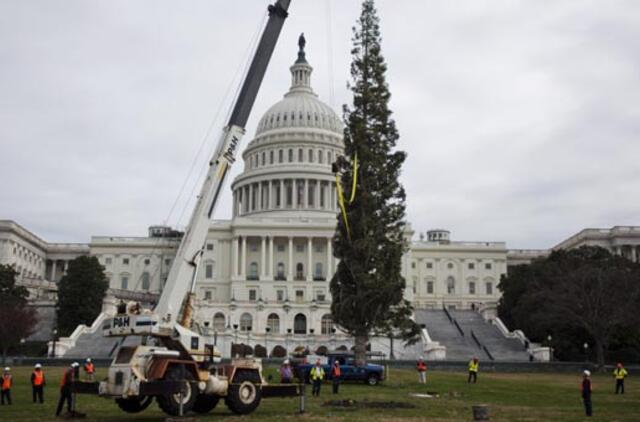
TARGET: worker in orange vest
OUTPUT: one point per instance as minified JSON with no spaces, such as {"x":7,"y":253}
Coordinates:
{"x":89,"y":370}
{"x":422,"y":371}
{"x":65,"y":388}
{"x":37,"y":383}
{"x":335,"y":376}
{"x":7,"y":382}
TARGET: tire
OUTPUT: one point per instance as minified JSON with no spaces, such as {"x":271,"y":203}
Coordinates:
{"x":134,"y":405}
{"x":244,"y":393}
{"x":170,"y":403}
{"x":205,"y":403}
{"x":372,"y":379}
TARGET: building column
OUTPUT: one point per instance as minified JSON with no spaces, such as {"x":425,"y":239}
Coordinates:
{"x":270,"y":196}
{"x":290,"y":277}
{"x":263,"y":261}
{"x":282,"y":194}
{"x":329,"y":257}
{"x":634,"y":256}
{"x":309,"y":258}
{"x":316,"y":202}
{"x":53,"y":270}
{"x":259,"y":195}
{"x":305,"y":194}
{"x":270,"y":273}
{"x":251,"y":204}
{"x":243,"y":257}
{"x":66,"y":267}
{"x":234,"y":257}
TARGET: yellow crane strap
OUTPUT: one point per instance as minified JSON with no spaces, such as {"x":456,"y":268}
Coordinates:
{"x":341,"y":203}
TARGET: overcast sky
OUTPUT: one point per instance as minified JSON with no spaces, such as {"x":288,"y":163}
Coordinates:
{"x":521,"y":118}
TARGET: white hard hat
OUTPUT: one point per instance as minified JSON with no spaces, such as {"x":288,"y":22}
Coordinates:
{"x":7,"y":369}
{"x":88,"y":359}
{"x":38,"y":366}
{"x":587,"y":373}
{"x":286,"y":361}
{"x":75,"y":364}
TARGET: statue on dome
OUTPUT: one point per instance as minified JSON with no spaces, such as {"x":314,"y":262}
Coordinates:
{"x":302,"y":42}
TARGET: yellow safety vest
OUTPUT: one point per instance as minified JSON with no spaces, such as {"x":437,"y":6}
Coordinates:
{"x":317,"y":373}
{"x":620,"y":373}
{"x":473,"y":367}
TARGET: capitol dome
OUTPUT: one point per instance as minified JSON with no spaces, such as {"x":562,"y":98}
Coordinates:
{"x":287,"y":165}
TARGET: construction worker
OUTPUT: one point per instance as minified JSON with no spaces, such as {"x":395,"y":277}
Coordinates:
{"x":316,"y":375}
{"x":473,"y":370}
{"x":335,"y":376}
{"x":7,"y":382}
{"x":620,"y":373}
{"x":65,"y":388}
{"x":585,"y":390}
{"x":286,"y":372}
{"x":422,"y":371}
{"x":37,"y":383}
{"x":89,"y":370}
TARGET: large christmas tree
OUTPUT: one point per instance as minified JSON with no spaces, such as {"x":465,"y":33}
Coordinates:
{"x":367,"y":287}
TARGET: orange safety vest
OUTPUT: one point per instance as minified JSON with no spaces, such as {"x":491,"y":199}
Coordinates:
{"x":88,"y":368}
{"x":6,"y":382}
{"x":38,"y":378}
{"x":66,"y":377}
{"x":336,"y":371}
{"x":422,"y":367}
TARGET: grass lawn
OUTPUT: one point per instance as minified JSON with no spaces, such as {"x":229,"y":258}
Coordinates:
{"x":511,"y":397}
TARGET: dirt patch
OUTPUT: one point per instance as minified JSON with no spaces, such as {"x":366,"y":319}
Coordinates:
{"x":352,"y":404}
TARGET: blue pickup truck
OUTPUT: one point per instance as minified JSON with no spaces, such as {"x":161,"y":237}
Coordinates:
{"x":370,"y":373}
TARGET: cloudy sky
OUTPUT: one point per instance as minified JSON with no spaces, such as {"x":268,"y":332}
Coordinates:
{"x":521,"y":118}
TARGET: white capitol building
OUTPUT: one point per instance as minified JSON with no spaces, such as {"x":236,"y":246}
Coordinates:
{"x":265,"y":273}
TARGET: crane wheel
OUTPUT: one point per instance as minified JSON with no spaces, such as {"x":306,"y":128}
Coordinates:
{"x":170,"y":403}
{"x":244,"y":393}
{"x":135,"y":404}
{"x":205,"y":403}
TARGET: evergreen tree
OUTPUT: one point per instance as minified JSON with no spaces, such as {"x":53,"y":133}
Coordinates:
{"x":17,"y":319}
{"x":367,"y":287}
{"x":80,"y":294}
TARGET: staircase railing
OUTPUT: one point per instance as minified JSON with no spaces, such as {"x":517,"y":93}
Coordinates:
{"x":455,"y":322}
{"x":488,"y":353}
{"x":473,"y":336}
{"x":446,"y":311}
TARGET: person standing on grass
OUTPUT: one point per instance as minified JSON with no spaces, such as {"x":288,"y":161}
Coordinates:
{"x":422,"y":371}
{"x":586,"y":392}
{"x":65,"y":388}
{"x":7,"y":383}
{"x":37,"y":384}
{"x":620,"y":373}
{"x":335,"y":376}
{"x":89,"y":370}
{"x":316,"y":375}
{"x":473,"y":370}
{"x":286,"y":373}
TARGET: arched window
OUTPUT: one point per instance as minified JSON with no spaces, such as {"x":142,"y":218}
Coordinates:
{"x":300,"y":155}
{"x":273,"y":323}
{"x":451,"y":285}
{"x":310,"y":155}
{"x":326,"y":324}
{"x":280,"y":156}
{"x":219,"y":322}
{"x":320,"y":156}
{"x":290,"y":155}
{"x":253,"y":271}
{"x":328,"y":157}
{"x":245,"y":322}
{"x":146,"y":281}
{"x":300,"y":324}
{"x":299,"y":271}
{"x":264,"y":160}
{"x":280,"y":271}
{"x":271,"y":157}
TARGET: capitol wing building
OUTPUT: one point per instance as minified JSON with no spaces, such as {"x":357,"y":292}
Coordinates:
{"x":264,"y":277}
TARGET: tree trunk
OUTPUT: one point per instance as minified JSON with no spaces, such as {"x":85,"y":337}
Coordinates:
{"x":360,"y":349}
{"x":391,"y":355}
{"x":599,"y":353}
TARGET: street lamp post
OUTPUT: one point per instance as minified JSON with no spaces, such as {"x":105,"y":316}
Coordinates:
{"x":53,"y":349}
{"x":585,"y":346}
{"x":266,"y":341}
{"x":311,"y":331}
{"x":549,"y":338}
{"x":235,"y":338}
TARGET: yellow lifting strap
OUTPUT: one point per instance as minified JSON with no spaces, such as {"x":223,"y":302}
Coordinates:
{"x":353,"y":194}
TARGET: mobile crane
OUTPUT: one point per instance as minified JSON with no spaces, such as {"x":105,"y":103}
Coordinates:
{"x":175,"y":363}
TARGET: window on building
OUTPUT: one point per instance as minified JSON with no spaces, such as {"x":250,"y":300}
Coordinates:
{"x":326,"y":324}
{"x":430,"y":287}
{"x":451,"y":285}
{"x":208,"y":271}
{"x":472,"y":288}
{"x":108,"y":261}
{"x":278,"y":193}
{"x":320,"y":156}
{"x":124,"y":283}
{"x":299,"y":271}
{"x":207,"y":295}
{"x":317,"y":273}
{"x":300,"y":324}
{"x":322,"y":200}
{"x":209,"y":246}
{"x":253,"y":271}
{"x":299,"y":247}
{"x":487,"y":266}
{"x":167,"y":262}
{"x":300,"y":155}
{"x":311,"y":194}
{"x":289,"y":198}
{"x":320,"y":296}
{"x":299,"y":296}
{"x":450,"y":265}
{"x":290,"y":155}
{"x":280,"y":247}
{"x":413,"y":265}
{"x":311,"y":156}
{"x":264,"y":159}
{"x":245,"y":322}
{"x":319,"y":247}
{"x":252,"y":295}
{"x":489,"y":288}
{"x":273,"y":323}
{"x":472,"y":266}
{"x":253,"y":247}
{"x":219,"y":322}
{"x":125,"y":261}
{"x":146,"y":281}
{"x":280,"y":271}
{"x":280,"y":156}
{"x":280,"y":295}
{"x":270,"y":157}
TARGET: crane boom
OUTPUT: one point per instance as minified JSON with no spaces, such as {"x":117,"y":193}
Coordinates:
{"x":182,"y":274}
